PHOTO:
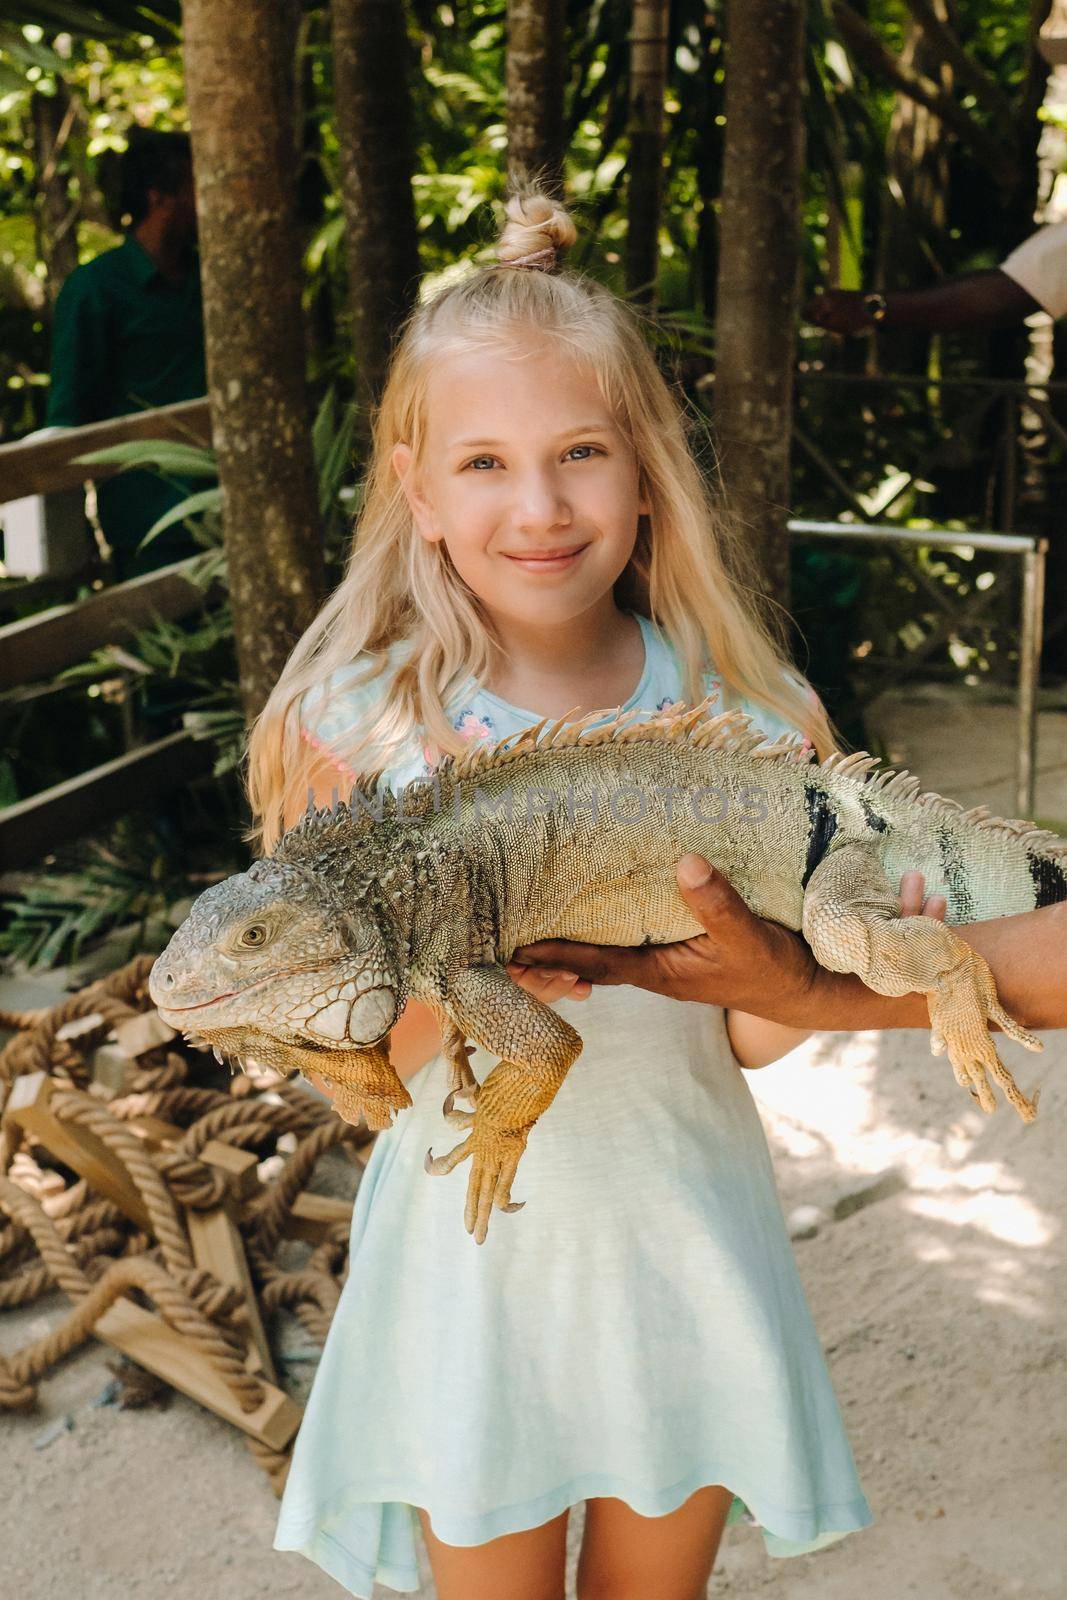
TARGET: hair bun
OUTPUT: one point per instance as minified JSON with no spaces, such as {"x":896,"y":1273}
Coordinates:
{"x":538,"y":231}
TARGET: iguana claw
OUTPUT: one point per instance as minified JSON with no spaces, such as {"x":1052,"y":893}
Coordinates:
{"x":458,"y":1119}
{"x":960,"y":1004}
{"x":495,"y":1156}
{"x":448,"y":1107}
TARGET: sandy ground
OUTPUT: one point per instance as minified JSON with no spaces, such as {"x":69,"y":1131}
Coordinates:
{"x":936,"y":1276}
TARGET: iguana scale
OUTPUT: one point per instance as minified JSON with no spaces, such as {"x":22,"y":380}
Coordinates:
{"x":307,"y":959}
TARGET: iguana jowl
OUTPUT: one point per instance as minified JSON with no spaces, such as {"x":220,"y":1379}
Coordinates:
{"x":569,"y":831}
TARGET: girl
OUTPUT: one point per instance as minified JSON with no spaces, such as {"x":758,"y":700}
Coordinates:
{"x":536,"y":539}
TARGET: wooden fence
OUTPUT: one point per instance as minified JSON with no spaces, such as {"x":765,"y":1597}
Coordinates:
{"x":35,"y":648}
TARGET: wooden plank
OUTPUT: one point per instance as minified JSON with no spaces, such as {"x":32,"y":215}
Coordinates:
{"x":313,"y":1215}
{"x":154,"y":1131}
{"x":30,"y":828}
{"x":37,"y":466}
{"x":240,"y":1166}
{"x":145,"y":1031}
{"x":29,"y":1108}
{"x":14,"y":592}
{"x":152,"y":1343}
{"x":218,"y":1246}
{"x":41,"y":645}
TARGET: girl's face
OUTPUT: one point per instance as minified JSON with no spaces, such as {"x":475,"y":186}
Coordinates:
{"x":527,"y":480}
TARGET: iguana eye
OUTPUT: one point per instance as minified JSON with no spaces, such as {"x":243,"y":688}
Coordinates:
{"x":255,"y":934}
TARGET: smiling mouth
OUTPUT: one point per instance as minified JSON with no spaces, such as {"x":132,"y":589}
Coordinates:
{"x":546,"y":558}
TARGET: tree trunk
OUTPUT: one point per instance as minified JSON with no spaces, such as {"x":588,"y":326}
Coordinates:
{"x":56,"y":212}
{"x":373,"y":111}
{"x":238,"y":85}
{"x":644,"y":198}
{"x":536,"y":66}
{"x":759,"y":270}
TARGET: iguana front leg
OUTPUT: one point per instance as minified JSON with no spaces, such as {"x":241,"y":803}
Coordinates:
{"x":537,"y":1048}
{"x":365,"y":1082}
{"x":852,"y":922}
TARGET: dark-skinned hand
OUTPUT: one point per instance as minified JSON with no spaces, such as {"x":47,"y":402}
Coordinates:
{"x":840,"y":311}
{"x":727,"y":965}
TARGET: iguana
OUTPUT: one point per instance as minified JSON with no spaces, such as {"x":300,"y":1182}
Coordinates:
{"x":571,"y":831}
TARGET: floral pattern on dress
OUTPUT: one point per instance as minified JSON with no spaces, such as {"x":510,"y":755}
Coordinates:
{"x":470,"y":725}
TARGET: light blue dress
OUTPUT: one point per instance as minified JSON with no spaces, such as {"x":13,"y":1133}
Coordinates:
{"x":638,"y":1330}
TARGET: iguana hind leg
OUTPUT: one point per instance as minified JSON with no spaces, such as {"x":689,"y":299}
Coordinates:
{"x":852,"y":922}
{"x":538,"y":1048}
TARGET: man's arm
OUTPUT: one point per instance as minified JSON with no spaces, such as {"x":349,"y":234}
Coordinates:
{"x":753,"y":965}
{"x":976,"y":300}
{"x":1027,"y":955}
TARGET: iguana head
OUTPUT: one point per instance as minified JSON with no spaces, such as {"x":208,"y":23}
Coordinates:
{"x":269,"y":963}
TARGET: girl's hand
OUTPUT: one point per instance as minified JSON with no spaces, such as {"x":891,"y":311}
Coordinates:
{"x":549,"y":983}
{"x":912,"y":903}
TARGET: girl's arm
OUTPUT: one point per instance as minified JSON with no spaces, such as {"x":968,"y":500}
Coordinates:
{"x":756,"y":1042}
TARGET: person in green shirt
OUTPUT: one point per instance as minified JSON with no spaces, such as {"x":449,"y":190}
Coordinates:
{"x":128,"y":335}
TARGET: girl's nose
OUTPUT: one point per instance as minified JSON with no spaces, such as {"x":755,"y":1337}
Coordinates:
{"x":541,"y":504}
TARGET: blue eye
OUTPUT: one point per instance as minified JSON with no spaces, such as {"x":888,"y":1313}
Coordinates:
{"x":594,"y":451}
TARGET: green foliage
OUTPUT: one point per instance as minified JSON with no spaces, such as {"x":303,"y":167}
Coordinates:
{"x":111,"y":19}
{"x":167,"y":455}
{"x":144,"y":865}
{"x":918,"y":455}
{"x":120,"y":64}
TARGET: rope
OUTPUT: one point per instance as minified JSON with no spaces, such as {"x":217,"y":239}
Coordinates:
{"x":134,"y":1272}
{"x":56,"y":1233}
{"x":73,"y":1106}
{"x":272,"y":1212}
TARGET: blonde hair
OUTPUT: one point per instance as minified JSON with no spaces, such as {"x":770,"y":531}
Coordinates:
{"x":687,"y":571}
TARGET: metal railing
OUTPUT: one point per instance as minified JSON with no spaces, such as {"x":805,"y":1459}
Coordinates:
{"x":1033,"y":552}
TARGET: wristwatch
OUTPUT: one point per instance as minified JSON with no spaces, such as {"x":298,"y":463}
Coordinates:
{"x":875,"y":307}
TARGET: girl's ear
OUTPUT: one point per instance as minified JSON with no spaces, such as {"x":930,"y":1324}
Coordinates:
{"x":403,"y":462}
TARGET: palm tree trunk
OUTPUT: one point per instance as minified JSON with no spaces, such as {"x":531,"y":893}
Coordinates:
{"x":648,"y":81}
{"x":238,"y":85}
{"x":759,"y":270}
{"x":536,"y":65}
{"x":373,"y":111}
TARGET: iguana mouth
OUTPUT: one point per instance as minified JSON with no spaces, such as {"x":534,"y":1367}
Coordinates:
{"x":231,"y":994}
